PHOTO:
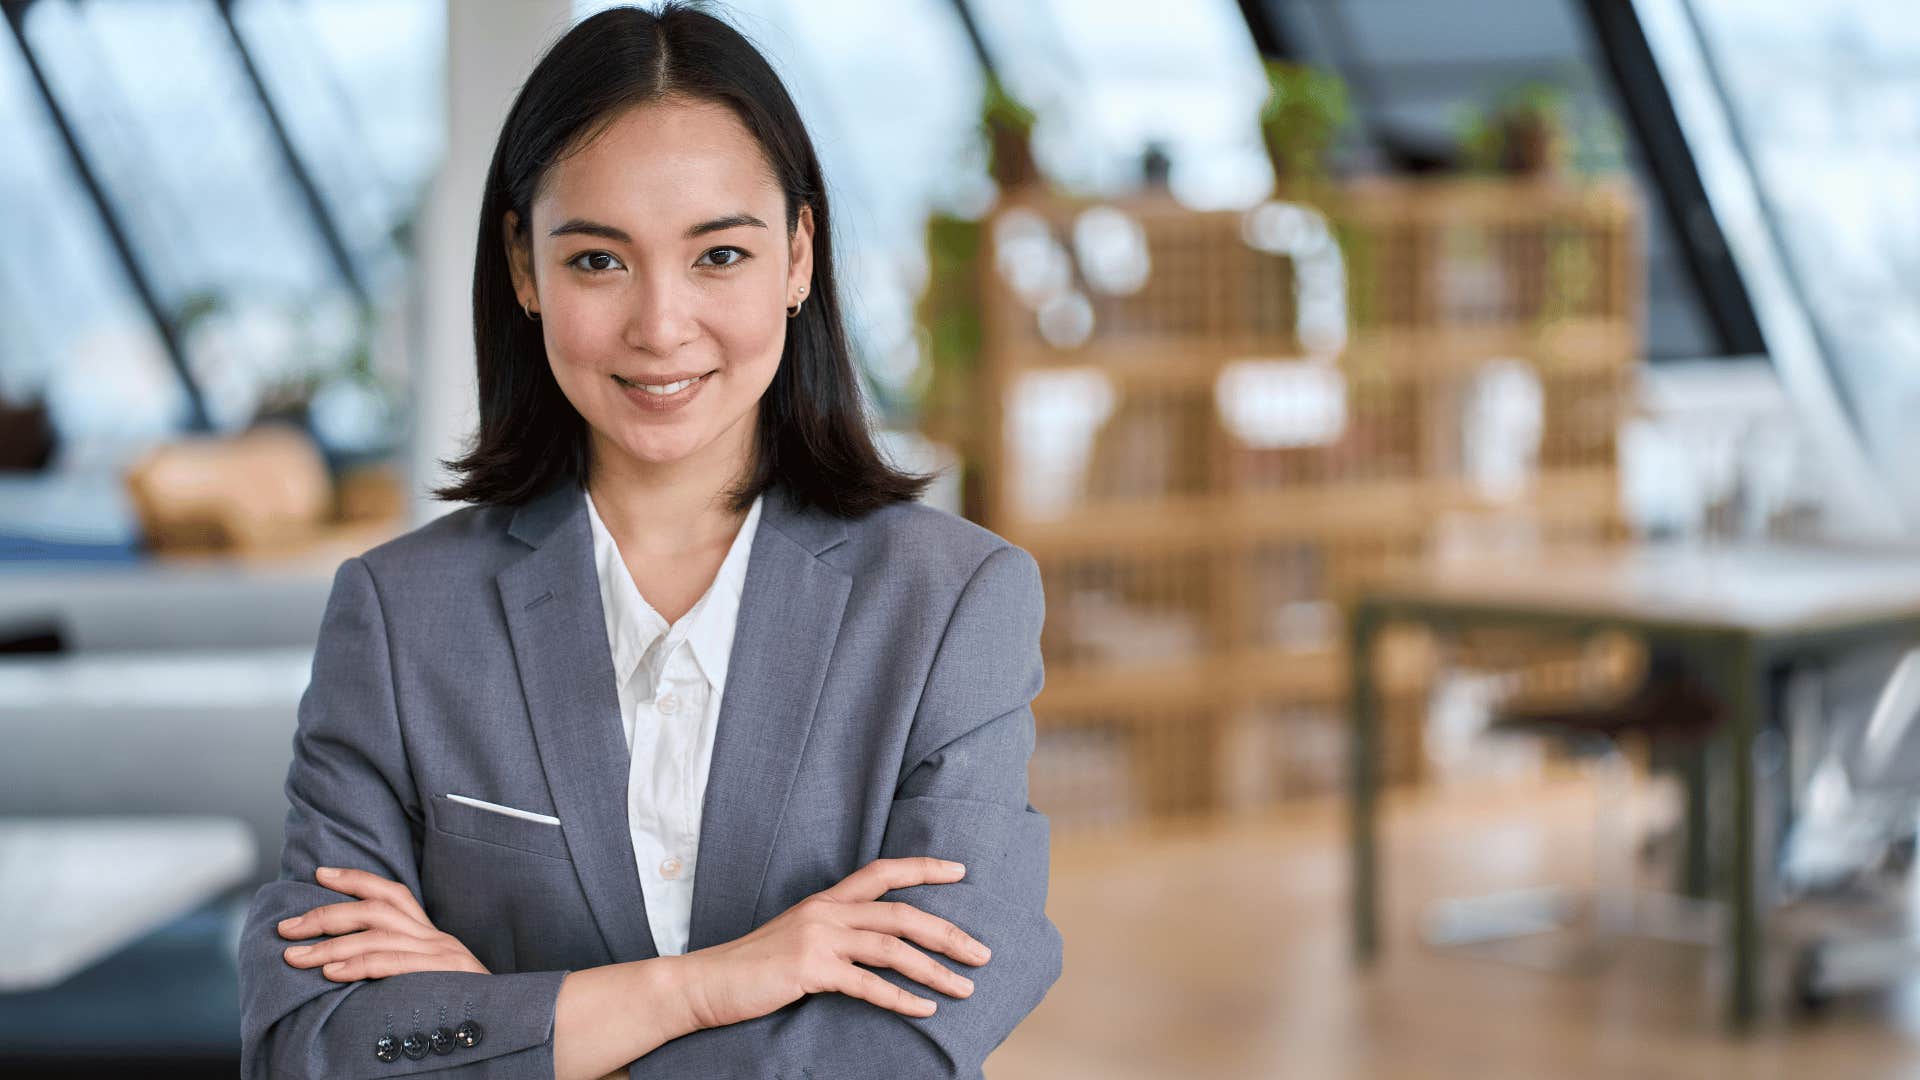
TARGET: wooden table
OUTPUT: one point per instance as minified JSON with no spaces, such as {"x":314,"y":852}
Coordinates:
{"x":75,"y":889}
{"x":1739,"y":614}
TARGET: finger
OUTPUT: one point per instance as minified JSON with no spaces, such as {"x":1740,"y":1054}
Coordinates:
{"x":923,"y":928}
{"x":352,"y":945}
{"x":371,"y":886}
{"x":354,"y":915}
{"x":880,"y":875}
{"x":388,"y":963}
{"x":885,"y":950}
{"x":860,"y":983}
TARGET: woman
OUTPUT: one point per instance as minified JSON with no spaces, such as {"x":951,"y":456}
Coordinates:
{"x":695,"y":745}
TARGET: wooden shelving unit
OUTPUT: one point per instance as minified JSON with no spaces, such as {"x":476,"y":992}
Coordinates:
{"x":1207,"y":461}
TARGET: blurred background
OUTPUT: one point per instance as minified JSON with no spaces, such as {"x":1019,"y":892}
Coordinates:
{"x":1467,"y":445}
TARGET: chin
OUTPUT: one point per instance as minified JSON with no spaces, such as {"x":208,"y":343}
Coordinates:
{"x":661,"y":451}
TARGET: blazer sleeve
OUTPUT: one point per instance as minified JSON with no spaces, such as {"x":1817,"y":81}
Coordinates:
{"x":962,"y":795}
{"x":352,"y":803}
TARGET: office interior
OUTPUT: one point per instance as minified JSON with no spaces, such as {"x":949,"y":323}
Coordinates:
{"x":1466,"y":443}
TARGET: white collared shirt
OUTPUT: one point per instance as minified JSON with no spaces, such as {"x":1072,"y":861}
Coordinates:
{"x":670,"y":681}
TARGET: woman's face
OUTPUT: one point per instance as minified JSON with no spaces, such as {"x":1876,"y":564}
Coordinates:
{"x":659,"y":254}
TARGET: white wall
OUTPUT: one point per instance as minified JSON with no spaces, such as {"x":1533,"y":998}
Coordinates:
{"x":491,"y":47}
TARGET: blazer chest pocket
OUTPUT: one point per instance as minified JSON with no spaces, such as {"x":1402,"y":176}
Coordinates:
{"x":462,"y":819}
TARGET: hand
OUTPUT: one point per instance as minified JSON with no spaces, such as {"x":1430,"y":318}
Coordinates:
{"x":385,"y":933}
{"x":812,"y":947}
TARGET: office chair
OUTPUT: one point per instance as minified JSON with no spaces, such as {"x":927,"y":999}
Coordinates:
{"x":1849,"y":849}
{"x":1671,"y":709}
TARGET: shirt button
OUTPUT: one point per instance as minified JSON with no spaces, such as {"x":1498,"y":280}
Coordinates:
{"x":669,"y":703}
{"x":670,"y":867}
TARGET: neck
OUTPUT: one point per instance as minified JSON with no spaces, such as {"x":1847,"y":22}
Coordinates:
{"x":668,"y":510}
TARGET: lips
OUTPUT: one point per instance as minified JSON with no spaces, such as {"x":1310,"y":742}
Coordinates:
{"x":659,"y":379}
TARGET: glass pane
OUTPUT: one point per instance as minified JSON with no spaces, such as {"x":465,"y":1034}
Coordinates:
{"x":160,"y":104}
{"x":1109,"y":78}
{"x":359,"y":85}
{"x":1825,"y":99}
{"x":75,"y":335}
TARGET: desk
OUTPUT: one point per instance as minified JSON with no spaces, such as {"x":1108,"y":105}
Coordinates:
{"x":1738,"y":613}
{"x":75,"y":889}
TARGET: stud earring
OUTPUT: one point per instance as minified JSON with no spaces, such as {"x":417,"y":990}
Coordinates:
{"x":795,"y":309}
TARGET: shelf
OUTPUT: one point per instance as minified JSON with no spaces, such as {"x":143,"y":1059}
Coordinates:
{"x":1243,"y":675}
{"x":1214,"y":521}
{"x":1565,"y":346}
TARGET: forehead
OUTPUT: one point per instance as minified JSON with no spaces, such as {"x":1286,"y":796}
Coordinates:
{"x":659,"y":166}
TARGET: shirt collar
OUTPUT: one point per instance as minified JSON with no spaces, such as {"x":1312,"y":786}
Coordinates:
{"x":633,"y":626}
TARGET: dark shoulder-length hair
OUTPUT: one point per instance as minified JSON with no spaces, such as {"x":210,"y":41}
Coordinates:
{"x":813,"y":437}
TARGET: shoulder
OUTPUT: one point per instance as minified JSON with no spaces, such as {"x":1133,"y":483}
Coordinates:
{"x":914,"y":542}
{"x":461,"y":544}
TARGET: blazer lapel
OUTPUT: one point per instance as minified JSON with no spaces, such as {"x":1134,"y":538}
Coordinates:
{"x":789,"y":619}
{"x":552,"y":602}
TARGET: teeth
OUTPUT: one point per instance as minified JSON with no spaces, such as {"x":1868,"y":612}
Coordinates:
{"x":670,"y":388}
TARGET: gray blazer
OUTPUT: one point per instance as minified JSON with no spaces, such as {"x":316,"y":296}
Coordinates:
{"x":877,"y":704}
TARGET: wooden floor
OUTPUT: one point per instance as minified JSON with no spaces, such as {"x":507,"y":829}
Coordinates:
{"x":1223,"y":952}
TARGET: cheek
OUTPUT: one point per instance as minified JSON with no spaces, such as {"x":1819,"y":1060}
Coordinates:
{"x":752,"y":345}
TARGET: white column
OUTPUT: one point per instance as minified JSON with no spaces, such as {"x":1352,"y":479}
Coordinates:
{"x":491,"y":48}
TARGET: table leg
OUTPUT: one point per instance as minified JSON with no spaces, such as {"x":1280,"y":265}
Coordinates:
{"x":1747,"y":691}
{"x":1362,"y":768}
{"x":1698,"y":864}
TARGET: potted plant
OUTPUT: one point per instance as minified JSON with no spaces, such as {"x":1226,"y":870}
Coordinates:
{"x":1008,"y":127}
{"x":949,"y":316}
{"x":1524,"y":133}
{"x":1304,"y":110}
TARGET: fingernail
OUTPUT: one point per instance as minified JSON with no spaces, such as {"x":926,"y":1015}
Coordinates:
{"x":980,"y":950}
{"x":951,"y":865}
{"x":334,"y":968}
{"x":966,"y":984}
{"x":287,"y":923}
{"x":327,"y":871}
{"x":299,"y":950}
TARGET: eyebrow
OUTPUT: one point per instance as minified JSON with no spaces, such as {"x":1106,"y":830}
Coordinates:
{"x":583,"y":227}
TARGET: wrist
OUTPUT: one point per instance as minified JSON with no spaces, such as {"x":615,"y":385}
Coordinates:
{"x":678,"y":984}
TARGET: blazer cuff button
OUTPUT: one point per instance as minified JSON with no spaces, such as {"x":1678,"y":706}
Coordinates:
{"x":387,"y":1048}
{"x":441,"y":1040}
{"x":468,"y":1034}
{"x":414,"y":1045}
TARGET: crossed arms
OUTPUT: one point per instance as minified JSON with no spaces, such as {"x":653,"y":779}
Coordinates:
{"x":961,"y":796}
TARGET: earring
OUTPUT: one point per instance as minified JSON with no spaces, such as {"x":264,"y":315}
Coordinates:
{"x":531,"y":314}
{"x":795,"y":309}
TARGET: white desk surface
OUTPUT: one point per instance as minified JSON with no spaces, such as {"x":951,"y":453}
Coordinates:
{"x":76,"y":889}
{"x":1761,"y":588}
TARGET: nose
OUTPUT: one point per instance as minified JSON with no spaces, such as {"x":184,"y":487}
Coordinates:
{"x":660,"y":313}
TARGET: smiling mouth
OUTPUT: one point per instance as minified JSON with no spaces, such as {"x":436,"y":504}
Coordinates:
{"x":661,"y":389}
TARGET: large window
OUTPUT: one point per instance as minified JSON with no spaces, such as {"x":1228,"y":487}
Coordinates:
{"x":74,"y":334}
{"x":1783,"y":133}
{"x":240,"y":263}
{"x":1824,"y":108}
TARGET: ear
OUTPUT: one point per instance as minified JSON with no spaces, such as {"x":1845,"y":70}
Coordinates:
{"x":800,"y":256}
{"x":519,"y":261}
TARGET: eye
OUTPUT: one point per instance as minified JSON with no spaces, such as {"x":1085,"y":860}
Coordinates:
{"x":575,"y":261}
{"x":739,"y":253}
